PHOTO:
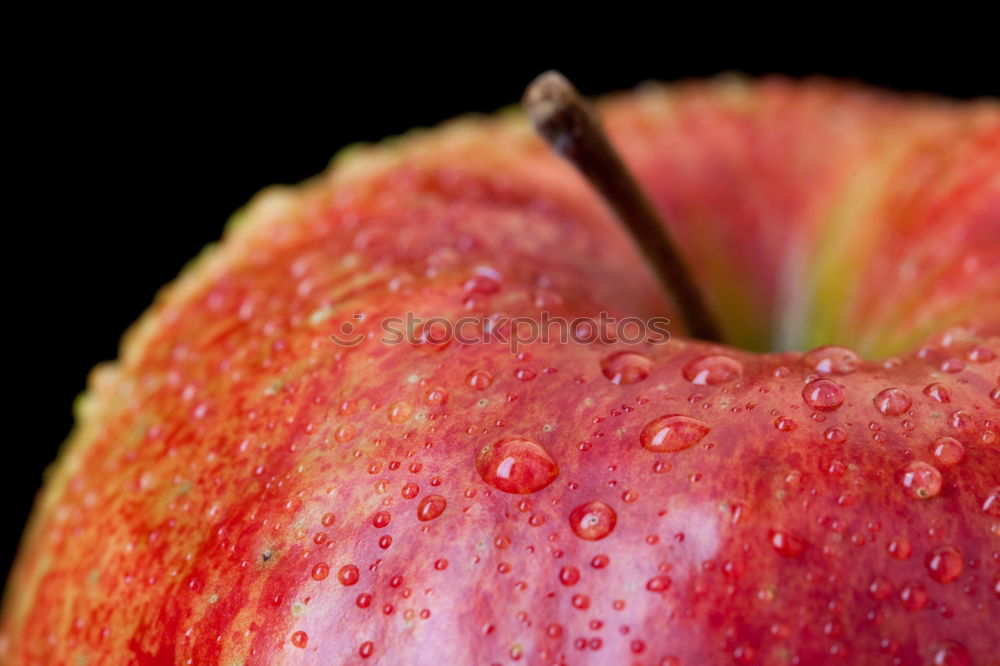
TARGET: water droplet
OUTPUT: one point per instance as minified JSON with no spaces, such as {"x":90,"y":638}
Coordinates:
{"x":626,"y":367}
{"x":787,"y":545}
{"x":364,"y":600}
{"x":963,"y":421}
{"x":525,"y":374}
{"x":823,"y":394}
{"x":673,"y":432}
{"x":381,"y":519}
{"x":991,"y":505}
{"x":593,"y":520}
{"x":892,"y":402}
{"x":436,"y":396}
{"x":921,"y":481}
{"x":712,"y":370}
{"x":938,"y":392}
{"x":328,"y":519}
{"x":431,"y":507}
{"x":995,"y":395}
{"x":950,"y":653}
{"x":366,"y":650}
{"x":900,"y":548}
{"x":913,"y":595}
{"x":569,"y":575}
{"x":948,"y":450}
{"x":658,"y":584}
{"x":600,"y":561}
{"x":300,"y":639}
{"x":785,"y":424}
{"x":517,"y":466}
{"x":944,"y":564}
{"x":344,"y":433}
{"x":835,"y":435}
{"x":581,"y":601}
{"x":479,"y":379}
{"x":832,"y":360}
{"x":880,"y":589}
{"x":320,"y":571}
{"x":409,"y":490}
{"x":348,"y":574}
{"x":399,"y":412}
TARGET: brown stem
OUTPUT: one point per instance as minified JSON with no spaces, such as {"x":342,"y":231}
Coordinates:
{"x":565,"y":121}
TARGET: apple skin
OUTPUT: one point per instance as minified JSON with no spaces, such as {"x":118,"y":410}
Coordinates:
{"x":241,"y":490}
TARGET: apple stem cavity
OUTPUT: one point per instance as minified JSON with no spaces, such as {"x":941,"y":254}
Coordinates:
{"x":564,"y":119}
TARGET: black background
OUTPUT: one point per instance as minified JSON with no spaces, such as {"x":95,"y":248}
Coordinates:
{"x":139,"y":150}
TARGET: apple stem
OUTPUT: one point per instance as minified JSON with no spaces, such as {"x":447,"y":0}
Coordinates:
{"x":566,"y":122}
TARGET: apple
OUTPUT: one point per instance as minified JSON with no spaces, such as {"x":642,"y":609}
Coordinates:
{"x":261,"y":478}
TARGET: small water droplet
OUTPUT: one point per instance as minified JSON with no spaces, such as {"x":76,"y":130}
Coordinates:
{"x":479,"y":379}
{"x":991,"y":505}
{"x":900,"y":548}
{"x":569,"y":575}
{"x":892,"y":402}
{"x":950,"y":653}
{"x":823,"y":394}
{"x":921,"y":481}
{"x":525,"y":374}
{"x":948,"y":450}
{"x":944,"y":564}
{"x":381,"y":519}
{"x":832,"y":360}
{"x":320,"y":571}
{"x":626,"y":367}
{"x":880,"y":589}
{"x":658,"y":584}
{"x":517,"y":466}
{"x":300,"y":639}
{"x":673,"y":432}
{"x":835,"y":435}
{"x":785,"y":424}
{"x":366,"y":650}
{"x":913,"y":595}
{"x":787,"y":545}
{"x":593,"y":521}
{"x":328,"y":519}
{"x":712,"y":370}
{"x":431,"y":507}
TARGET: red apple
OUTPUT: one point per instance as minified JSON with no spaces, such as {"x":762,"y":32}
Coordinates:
{"x":240,"y":489}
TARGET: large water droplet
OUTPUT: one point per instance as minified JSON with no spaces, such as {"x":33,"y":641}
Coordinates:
{"x":517,"y":466}
{"x":944,"y":564}
{"x":832,"y":360}
{"x":892,"y":402}
{"x":348,"y":574}
{"x":920,"y":480}
{"x":948,"y":450}
{"x":431,"y":507}
{"x":823,"y":394}
{"x":938,"y":392}
{"x":712,"y":370}
{"x":593,"y":520}
{"x":673,"y":432}
{"x":626,"y":367}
